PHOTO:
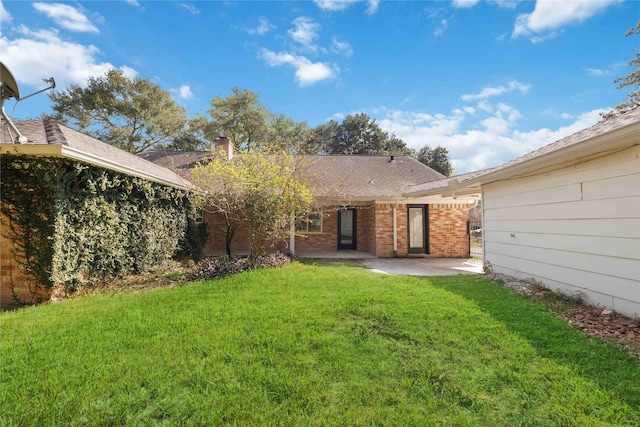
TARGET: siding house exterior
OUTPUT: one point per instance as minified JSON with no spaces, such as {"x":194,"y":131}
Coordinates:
{"x":567,"y":214}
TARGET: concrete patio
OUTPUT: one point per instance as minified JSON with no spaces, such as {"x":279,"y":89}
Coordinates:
{"x":410,"y":266}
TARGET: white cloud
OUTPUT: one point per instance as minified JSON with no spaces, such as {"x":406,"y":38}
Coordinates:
{"x":550,"y":16}
{"x":441,"y":28}
{"x":461,"y":4}
{"x":133,"y":3}
{"x":341,"y":47}
{"x":338,"y":5}
{"x":4,"y":15}
{"x":507,"y":4}
{"x":611,"y":70}
{"x":596,"y":72}
{"x":489,"y":92}
{"x":264,"y":26}
{"x":477,"y":145}
{"x":42,"y":54}
{"x":307,"y":72}
{"x":373,"y":6}
{"x":305,"y":32}
{"x":66,"y":16}
{"x":184,"y":92}
{"x":191,"y":8}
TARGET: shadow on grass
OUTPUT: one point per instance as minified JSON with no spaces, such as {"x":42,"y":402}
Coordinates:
{"x":611,"y":368}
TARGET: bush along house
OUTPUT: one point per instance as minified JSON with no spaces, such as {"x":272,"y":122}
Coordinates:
{"x":76,"y":211}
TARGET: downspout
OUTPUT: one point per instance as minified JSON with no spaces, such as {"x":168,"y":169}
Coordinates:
{"x":395,"y":229}
{"x":292,"y":236}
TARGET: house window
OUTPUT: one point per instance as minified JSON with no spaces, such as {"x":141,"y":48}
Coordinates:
{"x":312,"y":224}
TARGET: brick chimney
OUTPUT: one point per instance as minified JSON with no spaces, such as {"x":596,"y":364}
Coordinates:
{"x":223,"y":143}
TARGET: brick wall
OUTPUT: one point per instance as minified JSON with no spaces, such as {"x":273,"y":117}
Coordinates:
{"x":448,"y":230}
{"x":325,"y":241}
{"x":12,"y":279}
{"x":217,"y":229}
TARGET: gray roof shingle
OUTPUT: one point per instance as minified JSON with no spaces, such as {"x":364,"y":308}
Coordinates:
{"x":81,"y":147}
{"x":343,"y":176}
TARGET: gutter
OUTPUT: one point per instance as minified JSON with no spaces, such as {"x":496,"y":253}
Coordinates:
{"x":587,"y":149}
{"x":62,"y":151}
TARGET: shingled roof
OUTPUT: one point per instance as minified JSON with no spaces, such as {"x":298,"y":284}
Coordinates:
{"x":353,"y":177}
{"x":618,"y":132}
{"x":360,"y":177}
{"x":49,"y":138}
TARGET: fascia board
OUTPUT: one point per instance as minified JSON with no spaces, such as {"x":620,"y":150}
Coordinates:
{"x":55,"y":150}
{"x":32,"y":149}
{"x":588,"y":149}
{"x":75,"y":154}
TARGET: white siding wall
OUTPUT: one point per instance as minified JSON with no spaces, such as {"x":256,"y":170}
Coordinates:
{"x":576,"y":229}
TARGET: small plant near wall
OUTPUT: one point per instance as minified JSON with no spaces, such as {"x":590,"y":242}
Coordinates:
{"x":73,"y":224}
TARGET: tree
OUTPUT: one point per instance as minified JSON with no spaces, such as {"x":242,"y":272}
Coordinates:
{"x":286,"y":134}
{"x":632,"y":80}
{"x":249,"y":125}
{"x":357,"y":134}
{"x":132,"y":114}
{"x":186,"y":141}
{"x":436,"y":158}
{"x":265,"y":193}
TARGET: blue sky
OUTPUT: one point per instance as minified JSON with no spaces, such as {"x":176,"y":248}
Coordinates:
{"x":488,"y":80}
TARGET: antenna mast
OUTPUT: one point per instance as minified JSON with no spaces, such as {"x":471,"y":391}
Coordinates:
{"x":9,"y":89}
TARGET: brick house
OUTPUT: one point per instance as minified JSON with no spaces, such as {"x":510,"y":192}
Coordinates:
{"x":362,"y":204}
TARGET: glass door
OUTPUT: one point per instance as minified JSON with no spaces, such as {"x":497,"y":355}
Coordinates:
{"x":417,"y":224}
{"x":347,"y":229}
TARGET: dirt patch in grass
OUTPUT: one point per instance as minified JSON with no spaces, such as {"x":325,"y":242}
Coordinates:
{"x":171,"y":274}
{"x":613,"y":327}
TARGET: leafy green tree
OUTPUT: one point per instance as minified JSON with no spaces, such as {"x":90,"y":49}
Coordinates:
{"x":632,"y":80}
{"x":187,"y":141}
{"x":320,"y":138}
{"x":263,"y":192}
{"x":357,"y":134}
{"x":285,"y":133}
{"x":436,"y":158}
{"x":249,"y":125}
{"x":132,"y":114}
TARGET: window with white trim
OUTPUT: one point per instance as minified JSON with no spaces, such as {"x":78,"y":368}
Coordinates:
{"x":312,"y":224}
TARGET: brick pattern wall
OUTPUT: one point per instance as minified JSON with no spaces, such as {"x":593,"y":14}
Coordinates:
{"x":364,"y":220}
{"x":448,"y":230}
{"x":384,"y":230}
{"x":325,"y":241}
{"x":12,"y":277}
{"x":217,"y":229}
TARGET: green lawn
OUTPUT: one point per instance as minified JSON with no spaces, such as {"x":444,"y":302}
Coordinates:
{"x":310,"y":345}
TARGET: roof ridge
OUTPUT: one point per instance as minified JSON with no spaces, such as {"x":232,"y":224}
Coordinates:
{"x":54,"y":133}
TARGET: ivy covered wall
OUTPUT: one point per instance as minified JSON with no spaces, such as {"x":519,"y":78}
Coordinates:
{"x":72,"y":224}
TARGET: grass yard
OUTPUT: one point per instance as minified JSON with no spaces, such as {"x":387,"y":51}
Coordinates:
{"x":310,"y":345}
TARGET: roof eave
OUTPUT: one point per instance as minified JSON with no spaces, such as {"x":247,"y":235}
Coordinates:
{"x":588,"y":149}
{"x":56,"y":150}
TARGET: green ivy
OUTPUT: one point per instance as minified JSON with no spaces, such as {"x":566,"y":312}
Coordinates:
{"x":75,"y":224}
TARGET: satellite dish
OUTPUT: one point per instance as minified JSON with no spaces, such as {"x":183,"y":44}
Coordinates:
{"x":9,"y":88}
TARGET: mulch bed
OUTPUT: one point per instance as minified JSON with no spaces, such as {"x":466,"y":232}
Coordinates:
{"x":612,"y":327}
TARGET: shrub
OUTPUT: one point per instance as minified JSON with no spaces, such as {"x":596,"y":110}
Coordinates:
{"x":73,"y":224}
{"x":213,"y":267}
